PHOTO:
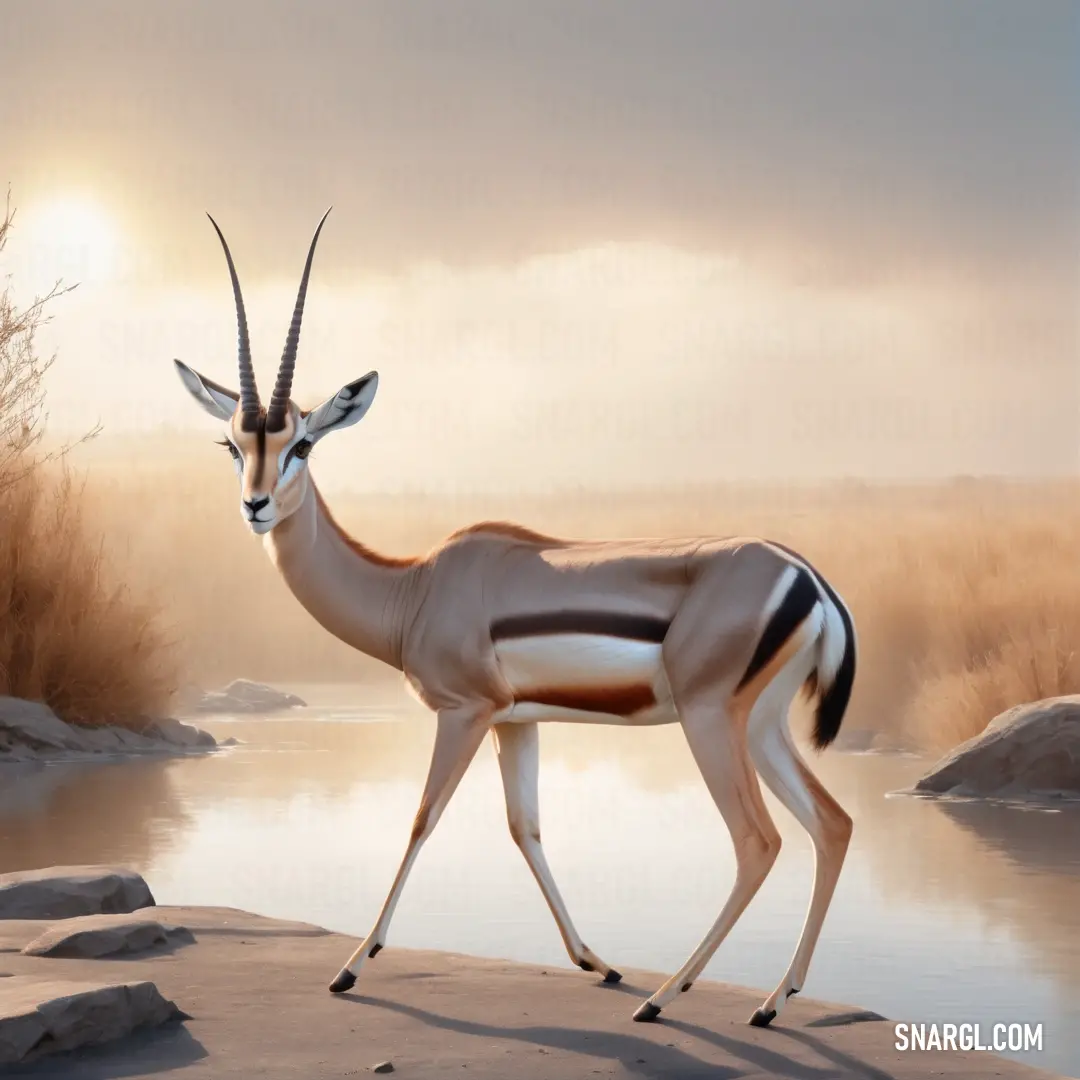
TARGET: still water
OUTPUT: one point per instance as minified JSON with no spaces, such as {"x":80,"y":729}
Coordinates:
{"x":944,"y":912}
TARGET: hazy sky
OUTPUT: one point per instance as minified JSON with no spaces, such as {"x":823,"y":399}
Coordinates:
{"x":582,"y":242}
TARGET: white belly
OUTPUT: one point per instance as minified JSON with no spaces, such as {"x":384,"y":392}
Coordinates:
{"x":585,"y":679}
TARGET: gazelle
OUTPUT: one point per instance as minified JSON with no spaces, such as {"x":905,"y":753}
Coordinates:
{"x":500,"y":628}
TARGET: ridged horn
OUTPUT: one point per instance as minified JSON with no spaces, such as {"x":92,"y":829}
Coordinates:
{"x":279,"y":400}
{"x":249,"y":392}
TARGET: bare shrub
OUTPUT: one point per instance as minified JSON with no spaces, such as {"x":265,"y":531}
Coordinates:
{"x":72,"y":634}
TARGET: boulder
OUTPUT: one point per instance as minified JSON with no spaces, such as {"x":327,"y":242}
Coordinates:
{"x":43,"y":1016}
{"x":1029,"y":752}
{"x":226,"y":921}
{"x":30,"y":730}
{"x":64,"y":892}
{"x":179,"y":734}
{"x":135,"y":741}
{"x":103,"y":740}
{"x":34,"y":725}
{"x":245,"y":696}
{"x":91,"y":936}
{"x":16,"y":933}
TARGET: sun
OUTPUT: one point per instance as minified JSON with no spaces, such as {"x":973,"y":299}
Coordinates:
{"x":72,"y":237}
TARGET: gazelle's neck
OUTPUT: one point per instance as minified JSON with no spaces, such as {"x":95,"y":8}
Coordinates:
{"x":358,"y":595}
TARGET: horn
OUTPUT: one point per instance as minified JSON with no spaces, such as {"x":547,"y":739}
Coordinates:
{"x":249,"y":392}
{"x":279,"y":400}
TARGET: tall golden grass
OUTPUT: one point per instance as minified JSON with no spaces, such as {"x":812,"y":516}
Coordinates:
{"x":72,"y":633}
{"x":966,"y":595}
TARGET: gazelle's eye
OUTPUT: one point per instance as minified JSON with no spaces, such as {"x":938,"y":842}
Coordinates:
{"x":231,"y":447}
{"x":299,"y":450}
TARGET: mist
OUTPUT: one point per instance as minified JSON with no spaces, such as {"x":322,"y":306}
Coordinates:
{"x":585,"y":247}
{"x":616,"y":367}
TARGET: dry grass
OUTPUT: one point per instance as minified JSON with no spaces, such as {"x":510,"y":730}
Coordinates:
{"x":966,"y":595}
{"x":72,"y":634}
{"x":966,"y":606}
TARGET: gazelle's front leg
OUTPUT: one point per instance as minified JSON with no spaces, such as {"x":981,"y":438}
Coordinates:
{"x":458,"y":735}
{"x":518,"y":750}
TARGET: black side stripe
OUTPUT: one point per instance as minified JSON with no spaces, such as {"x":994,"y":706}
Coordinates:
{"x":609,"y":623}
{"x":796,"y":605}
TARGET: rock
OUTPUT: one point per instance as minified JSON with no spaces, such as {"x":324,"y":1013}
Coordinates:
{"x":13,"y":751}
{"x":215,"y":702}
{"x":383,"y":1067}
{"x":52,"y":1016}
{"x":16,"y":933}
{"x":182,"y":734}
{"x":205,"y":924}
{"x":245,"y":696}
{"x":254,"y":987}
{"x":34,"y":725}
{"x":260,"y":693}
{"x":134,"y":740}
{"x":105,"y":740}
{"x":1029,"y":752}
{"x":842,"y":1019}
{"x":91,"y":936}
{"x":30,"y":730}
{"x":64,"y":892}
{"x":232,"y":922}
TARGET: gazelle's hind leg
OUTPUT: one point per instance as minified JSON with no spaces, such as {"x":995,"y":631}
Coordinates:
{"x":518,"y":750}
{"x":787,"y":776}
{"x":719,"y":746}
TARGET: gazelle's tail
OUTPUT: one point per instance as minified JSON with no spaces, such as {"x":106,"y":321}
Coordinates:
{"x":807,"y":593}
{"x":834,"y":675}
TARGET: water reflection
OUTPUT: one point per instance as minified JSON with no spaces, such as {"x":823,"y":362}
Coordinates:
{"x":113,"y":812}
{"x":1016,"y":870}
{"x":944,"y":912}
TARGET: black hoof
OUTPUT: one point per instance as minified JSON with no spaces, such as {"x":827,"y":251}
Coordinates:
{"x":612,"y":976}
{"x":646,"y":1012}
{"x":344,"y":980}
{"x":761,"y":1018}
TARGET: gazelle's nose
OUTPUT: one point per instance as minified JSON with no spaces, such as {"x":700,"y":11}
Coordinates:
{"x":253,"y":506}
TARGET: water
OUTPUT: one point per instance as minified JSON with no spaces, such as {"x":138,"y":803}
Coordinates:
{"x":944,"y":912}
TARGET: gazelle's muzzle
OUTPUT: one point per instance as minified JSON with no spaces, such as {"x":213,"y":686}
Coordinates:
{"x":259,"y":512}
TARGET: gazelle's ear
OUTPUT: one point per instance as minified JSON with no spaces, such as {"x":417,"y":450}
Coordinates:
{"x":345,"y":408}
{"x":216,"y":400}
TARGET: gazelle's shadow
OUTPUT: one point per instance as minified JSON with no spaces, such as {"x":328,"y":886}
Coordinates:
{"x":851,"y":1066}
{"x":641,"y":1056}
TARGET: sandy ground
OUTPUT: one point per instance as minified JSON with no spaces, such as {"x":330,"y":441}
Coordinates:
{"x":255,"y":991}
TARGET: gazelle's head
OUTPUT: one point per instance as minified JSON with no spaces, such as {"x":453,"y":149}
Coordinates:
{"x":269,"y":445}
